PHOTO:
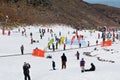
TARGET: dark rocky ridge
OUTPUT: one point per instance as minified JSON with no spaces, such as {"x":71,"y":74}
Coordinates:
{"x":70,"y":12}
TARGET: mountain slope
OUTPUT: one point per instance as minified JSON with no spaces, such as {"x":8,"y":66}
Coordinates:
{"x":71,"y":12}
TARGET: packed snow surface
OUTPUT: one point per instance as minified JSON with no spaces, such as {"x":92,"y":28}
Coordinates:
{"x":11,"y":67}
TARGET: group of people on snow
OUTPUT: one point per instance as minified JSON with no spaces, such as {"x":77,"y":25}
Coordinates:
{"x":82,"y":63}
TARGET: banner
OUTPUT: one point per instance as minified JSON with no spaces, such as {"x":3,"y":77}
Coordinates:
{"x":79,"y":38}
{"x":62,"y":39}
{"x":73,"y":38}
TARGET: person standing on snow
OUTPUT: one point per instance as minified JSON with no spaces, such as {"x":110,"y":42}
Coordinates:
{"x":57,"y":45}
{"x":41,"y":36}
{"x":82,"y":64}
{"x":22,"y":49}
{"x":80,"y":45}
{"x":59,"y":33}
{"x":96,"y":42}
{"x":26,"y":72}
{"x":8,"y":32}
{"x":39,"y":30}
{"x":31,"y":34}
{"x":88,"y":43}
{"x":64,"y":60}
{"x":22,"y":33}
{"x":53,"y":65}
{"x":77,"y":54}
{"x":53,"y":46}
{"x":64,"y":46}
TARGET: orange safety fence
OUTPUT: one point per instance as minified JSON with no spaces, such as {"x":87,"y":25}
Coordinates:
{"x":106,"y":43}
{"x":38,"y":52}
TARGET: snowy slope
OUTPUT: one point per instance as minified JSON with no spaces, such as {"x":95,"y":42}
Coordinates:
{"x":41,"y":69}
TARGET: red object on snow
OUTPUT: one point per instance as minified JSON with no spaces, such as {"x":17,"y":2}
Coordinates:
{"x":9,"y":33}
{"x":38,"y":52}
{"x":3,"y":31}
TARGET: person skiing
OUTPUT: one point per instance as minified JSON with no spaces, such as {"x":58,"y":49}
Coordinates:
{"x":53,"y":65}
{"x":26,"y":72}
{"x":22,"y":49}
{"x":64,"y":60}
{"x":91,"y":69}
{"x":77,"y":54}
{"x":82,"y":64}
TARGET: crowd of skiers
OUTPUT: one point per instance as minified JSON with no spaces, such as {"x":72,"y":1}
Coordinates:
{"x":55,"y":45}
{"x":64,"y":60}
{"x":27,"y":66}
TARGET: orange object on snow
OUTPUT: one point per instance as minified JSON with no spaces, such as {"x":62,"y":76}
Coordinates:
{"x":38,"y":52}
{"x":106,"y":43}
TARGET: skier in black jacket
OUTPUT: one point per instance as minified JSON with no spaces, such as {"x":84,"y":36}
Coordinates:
{"x":26,"y":68}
